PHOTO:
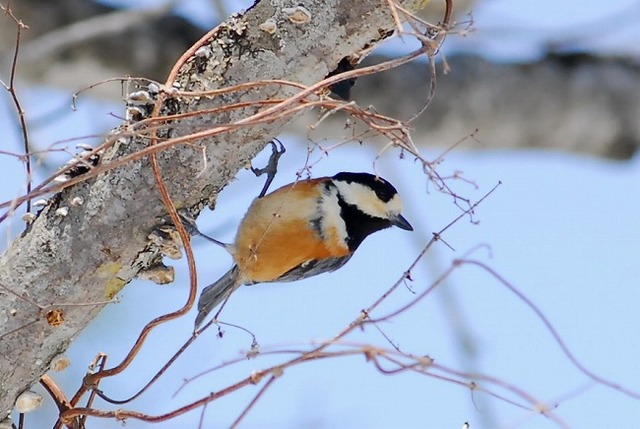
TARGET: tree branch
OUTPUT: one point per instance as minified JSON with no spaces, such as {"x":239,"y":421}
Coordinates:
{"x":94,"y":237}
{"x":573,"y":103}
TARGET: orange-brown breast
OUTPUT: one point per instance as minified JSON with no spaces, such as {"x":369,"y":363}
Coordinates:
{"x":275,"y":235}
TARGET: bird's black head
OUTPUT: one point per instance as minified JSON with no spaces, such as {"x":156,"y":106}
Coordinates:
{"x":368,"y":204}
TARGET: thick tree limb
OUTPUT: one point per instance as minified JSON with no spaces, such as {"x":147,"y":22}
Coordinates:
{"x":76,"y":254}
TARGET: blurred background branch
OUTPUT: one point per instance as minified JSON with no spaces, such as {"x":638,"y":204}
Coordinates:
{"x":593,"y":110}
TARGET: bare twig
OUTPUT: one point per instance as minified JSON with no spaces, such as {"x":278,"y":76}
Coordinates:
{"x":253,"y":401}
{"x":565,"y":349}
{"x":11,"y":88}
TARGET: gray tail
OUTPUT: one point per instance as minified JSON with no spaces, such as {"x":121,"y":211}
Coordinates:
{"x":217,"y":292}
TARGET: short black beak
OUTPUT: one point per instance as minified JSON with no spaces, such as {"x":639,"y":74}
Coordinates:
{"x":401,"y":222}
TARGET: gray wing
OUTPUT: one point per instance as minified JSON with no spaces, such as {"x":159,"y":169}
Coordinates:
{"x":313,"y":268}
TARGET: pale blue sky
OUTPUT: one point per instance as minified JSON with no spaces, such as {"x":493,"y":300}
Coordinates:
{"x":563,"y":229}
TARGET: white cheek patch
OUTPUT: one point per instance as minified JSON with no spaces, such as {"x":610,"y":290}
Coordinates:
{"x":331,"y":216}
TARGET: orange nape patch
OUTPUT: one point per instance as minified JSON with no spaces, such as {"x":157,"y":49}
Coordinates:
{"x":276,"y":236}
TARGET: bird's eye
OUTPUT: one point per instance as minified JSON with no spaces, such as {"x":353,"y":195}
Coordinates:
{"x":384,"y":194}
{"x":384,"y":190}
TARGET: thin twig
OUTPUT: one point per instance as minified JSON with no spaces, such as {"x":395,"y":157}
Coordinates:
{"x":253,"y":402}
{"x":11,"y":88}
{"x":565,"y":349}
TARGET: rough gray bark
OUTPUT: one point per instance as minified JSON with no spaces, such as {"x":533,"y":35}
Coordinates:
{"x":87,"y":255}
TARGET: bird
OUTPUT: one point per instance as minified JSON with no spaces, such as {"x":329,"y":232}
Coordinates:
{"x":304,"y":229}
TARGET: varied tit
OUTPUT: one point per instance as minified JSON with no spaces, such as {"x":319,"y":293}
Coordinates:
{"x":303,"y":229}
